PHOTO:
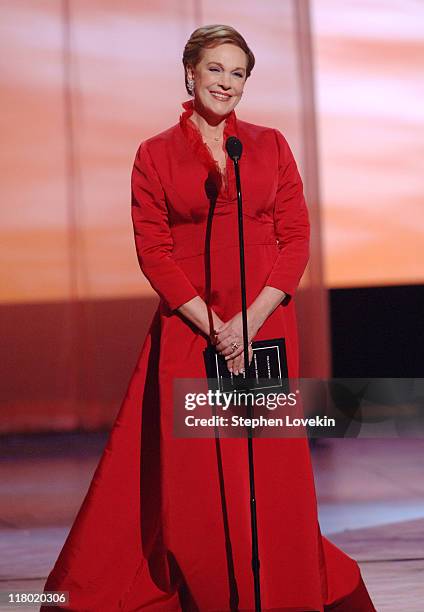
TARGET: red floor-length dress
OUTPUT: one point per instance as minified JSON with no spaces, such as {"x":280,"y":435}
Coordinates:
{"x":165,"y":525}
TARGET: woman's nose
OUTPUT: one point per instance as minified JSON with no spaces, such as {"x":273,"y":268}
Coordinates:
{"x":224,"y":80}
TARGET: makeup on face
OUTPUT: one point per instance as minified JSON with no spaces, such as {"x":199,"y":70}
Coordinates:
{"x":219,"y":78}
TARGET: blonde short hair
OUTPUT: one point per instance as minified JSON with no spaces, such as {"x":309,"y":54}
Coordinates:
{"x":212,"y":36}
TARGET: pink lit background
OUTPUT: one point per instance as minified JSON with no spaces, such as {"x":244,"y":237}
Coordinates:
{"x":82,"y":83}
{"x":126,"y":84}
{"x":369,"y":59}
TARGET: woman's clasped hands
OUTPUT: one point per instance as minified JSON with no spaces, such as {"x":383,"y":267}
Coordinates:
{"x":228,"y":341}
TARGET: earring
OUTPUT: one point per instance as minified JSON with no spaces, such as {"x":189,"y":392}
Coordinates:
{"x":190,"y":86}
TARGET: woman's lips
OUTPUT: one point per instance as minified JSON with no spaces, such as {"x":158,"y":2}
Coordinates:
{"x":220,"y":96}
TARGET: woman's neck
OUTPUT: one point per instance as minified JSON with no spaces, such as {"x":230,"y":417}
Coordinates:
{"x":210,"y":126}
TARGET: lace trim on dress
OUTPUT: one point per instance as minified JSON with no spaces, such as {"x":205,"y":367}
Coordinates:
{"x":201,"y":149}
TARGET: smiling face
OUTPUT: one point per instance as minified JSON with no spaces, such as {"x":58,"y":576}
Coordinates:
{"x":219,"y":79}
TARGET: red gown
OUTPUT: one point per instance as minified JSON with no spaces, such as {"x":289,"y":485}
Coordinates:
{"x":165,"y":524}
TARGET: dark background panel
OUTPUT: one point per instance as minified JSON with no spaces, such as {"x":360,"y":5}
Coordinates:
{"x":377,"y":331}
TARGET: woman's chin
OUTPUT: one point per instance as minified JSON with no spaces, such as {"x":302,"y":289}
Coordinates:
{"x":214,"y":108}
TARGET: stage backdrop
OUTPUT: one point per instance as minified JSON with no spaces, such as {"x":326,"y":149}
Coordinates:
{"x":369,"y":60}
{"x":84,"y":82}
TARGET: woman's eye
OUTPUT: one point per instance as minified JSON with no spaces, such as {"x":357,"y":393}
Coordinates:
{"x":214,"y":69}
{"x":238,"y":74}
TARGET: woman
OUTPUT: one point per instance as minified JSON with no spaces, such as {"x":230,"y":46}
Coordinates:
{"x":165,"y":524}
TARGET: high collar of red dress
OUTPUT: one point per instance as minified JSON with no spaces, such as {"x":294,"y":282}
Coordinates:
{"x":230,"y":127}
{"x":194,"y":136}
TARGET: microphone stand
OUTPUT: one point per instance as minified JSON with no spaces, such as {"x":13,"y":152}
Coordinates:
{"x":234,"y":149}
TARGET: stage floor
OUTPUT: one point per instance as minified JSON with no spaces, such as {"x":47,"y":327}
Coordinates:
{"x":370,"y":494}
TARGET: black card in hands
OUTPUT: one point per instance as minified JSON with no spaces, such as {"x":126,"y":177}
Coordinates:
{"x":267,"y":370}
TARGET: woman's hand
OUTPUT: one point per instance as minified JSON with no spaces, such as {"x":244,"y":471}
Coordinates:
{"x":201,"y":315}
{"x":229,"y":337}
{"x":236,"y":365}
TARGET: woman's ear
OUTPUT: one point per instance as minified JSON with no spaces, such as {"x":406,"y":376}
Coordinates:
{"x":190,"y":72}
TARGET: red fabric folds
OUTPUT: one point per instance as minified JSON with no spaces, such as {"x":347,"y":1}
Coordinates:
{"x":165,"y":525}
{"x":194,"y":136}
{"x":152,"y":236}
{"x":291,"y":223}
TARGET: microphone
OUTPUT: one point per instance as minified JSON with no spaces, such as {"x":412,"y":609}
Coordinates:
{"x":234,"y":148}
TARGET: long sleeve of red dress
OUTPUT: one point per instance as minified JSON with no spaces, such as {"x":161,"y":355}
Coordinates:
{"x":291,"y":223}
{"x":153,"y":239}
